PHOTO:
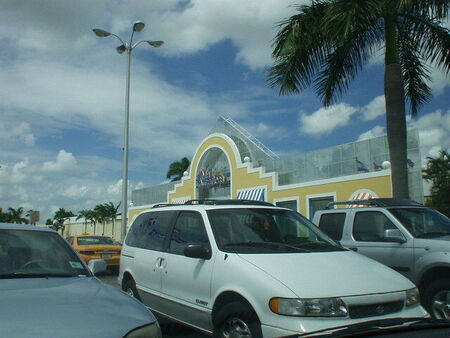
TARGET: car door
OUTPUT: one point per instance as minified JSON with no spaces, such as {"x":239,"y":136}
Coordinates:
{"x":368,"y":238}
{"x":149,"y":234}
{"x":186,"y":282}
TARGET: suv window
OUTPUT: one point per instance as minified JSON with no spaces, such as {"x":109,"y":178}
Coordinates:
{"x":149,"y":230}
{"x":189,"y":229}
{"x":333,"y":224}
{"x":369,"y":226}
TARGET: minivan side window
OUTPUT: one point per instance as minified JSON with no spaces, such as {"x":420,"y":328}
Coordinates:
{"x":369,"y":226}
{"x":149,"y":230}
{"x":189,"y":229}
{"x":333,"y":225}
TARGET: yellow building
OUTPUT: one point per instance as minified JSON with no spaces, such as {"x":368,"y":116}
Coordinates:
{"x":231,"y":163}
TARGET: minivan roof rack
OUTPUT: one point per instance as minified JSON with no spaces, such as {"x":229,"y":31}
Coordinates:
{"x":378,"y":202}
{"x":227,"y":202}
{"x":160,"y":205}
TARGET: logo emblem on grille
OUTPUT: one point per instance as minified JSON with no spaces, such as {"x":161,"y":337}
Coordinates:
{"x":379,"y":309}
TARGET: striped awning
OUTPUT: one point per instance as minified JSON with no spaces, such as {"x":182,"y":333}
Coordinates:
{"x":253,"y":194}
{"x":360,"y":196}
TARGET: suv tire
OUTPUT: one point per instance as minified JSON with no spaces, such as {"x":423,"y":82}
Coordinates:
{"x":237,"y":319}
{"x":130,"y":288}
{"x":435,"y":298}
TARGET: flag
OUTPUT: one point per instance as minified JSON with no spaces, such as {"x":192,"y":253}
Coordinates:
{"x":377,"y":167}
{"x":361,"y":166}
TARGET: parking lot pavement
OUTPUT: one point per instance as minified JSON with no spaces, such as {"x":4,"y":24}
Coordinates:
{"x":169,"y":330}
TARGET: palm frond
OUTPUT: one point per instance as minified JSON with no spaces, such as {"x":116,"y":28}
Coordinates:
{"x":437,"y":9}
{"x":415,"y":72}
{"x":354,"y":44}
{"x":299,"y":49}
{"x":433,"y":40}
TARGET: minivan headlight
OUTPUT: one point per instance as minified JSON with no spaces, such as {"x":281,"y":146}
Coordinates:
{"x":311,"y":307}
{"x":412,"y":297}
{"x":149,"y":331}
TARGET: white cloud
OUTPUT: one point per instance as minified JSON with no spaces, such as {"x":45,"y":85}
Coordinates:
{"x":374,"y":132}
{"x":374,"y":109}
{"x":12,"y":133}
{"x":325,"y":120}
{"x":64,"y":162}
{"x":434,"y":132}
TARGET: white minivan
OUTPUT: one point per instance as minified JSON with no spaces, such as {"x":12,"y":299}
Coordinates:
{"x":250,"y":269}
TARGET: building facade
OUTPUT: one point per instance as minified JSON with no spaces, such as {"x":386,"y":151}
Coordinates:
{"x":231,"y":163}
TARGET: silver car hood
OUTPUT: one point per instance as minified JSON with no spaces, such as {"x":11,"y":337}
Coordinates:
{"x":67,"y":307}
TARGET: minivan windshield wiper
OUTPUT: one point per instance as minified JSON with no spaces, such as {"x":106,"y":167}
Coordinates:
{"x":19,"y":274}
{"x":378,"y":326}
{"x":272,"y":245}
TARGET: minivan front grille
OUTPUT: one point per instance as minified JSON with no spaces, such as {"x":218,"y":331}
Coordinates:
{"x":380,"y":309}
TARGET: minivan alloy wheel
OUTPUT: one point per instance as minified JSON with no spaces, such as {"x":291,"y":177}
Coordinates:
{"x":440,"y":305}
{"x":236,"y":328}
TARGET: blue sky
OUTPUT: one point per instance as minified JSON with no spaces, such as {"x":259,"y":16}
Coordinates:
{"x":62,"y":95}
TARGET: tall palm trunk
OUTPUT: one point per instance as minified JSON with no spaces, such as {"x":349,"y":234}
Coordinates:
{"x":395,"y":113}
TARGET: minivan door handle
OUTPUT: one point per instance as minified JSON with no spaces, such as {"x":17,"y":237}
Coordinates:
{"x":159,"y":262}
{"x":354,"y":249}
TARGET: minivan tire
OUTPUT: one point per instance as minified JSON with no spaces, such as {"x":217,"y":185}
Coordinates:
{"x":130,"y":288}
{"x":237,"y":319}
{"x":433,"y":294}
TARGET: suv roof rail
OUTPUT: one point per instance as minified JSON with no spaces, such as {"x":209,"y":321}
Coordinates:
{"x":378,"y":202}
{"x":225,"y":202}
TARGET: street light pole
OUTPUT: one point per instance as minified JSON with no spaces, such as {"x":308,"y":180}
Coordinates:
{"x":124,"y":47}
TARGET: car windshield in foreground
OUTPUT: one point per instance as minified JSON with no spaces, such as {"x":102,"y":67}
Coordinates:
{"x":267,"y":230}
{"x":94,"y":240}
{"x":423,"y":222}
{"x":33,"y":254}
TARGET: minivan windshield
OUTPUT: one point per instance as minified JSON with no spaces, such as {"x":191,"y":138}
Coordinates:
{"x":267,"y":230}
{"x":423,"y":222}
{"x":28,"y":254}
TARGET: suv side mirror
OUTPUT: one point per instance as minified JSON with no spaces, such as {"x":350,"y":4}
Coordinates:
{"x":394,"y":235}
{"x":197,"y":251}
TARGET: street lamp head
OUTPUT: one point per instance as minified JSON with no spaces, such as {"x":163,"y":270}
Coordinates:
{"x":101,"y":33}
{"x":138,"y":26}
{"x":155,"y":43}
{"x":121,"y":49}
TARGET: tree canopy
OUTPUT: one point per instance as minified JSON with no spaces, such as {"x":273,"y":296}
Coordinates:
{"x":438,"y":173}
{"x":177,"y":168}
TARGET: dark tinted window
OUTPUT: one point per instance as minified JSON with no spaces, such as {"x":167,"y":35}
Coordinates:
{"x":189,"y":229}
{"x":369,"y":226}
{"x":333,"y":225}
{"x":94,"y":240}
{"x":149,"y":230}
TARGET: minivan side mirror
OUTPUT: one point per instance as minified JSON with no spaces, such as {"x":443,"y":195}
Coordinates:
{"x":97,"y":266}
{"x":394,"y":235}
{"x":197,"y":251}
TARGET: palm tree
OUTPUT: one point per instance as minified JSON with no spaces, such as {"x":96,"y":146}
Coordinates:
{"x":60,"y":216}
{"x":84,"y":214}
{"x":111,"y":212}
{"x":15,"y":216}
{"x":178,"y":168}
{"x":329,"y":41}
{"x":101,"y":215}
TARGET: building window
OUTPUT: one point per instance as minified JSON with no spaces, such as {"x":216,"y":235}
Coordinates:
{"x":318,"y":203}
{"x":213,"y":175}
{"x":291,"y":204}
